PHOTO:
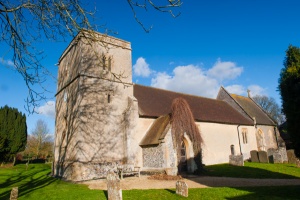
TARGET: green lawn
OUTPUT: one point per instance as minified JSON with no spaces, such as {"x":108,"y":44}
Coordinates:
{"x":35,"y":183}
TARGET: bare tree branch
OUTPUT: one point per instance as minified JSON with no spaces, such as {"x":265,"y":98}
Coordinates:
{"x":167,"y":8}
{"x":26,"y":23}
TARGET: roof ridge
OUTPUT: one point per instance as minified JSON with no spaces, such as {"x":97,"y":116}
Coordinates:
{"x":192,"y":95}
{"x":237,"y":102}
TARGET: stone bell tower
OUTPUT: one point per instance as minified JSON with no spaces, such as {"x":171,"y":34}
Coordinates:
{"x":95,"y":108}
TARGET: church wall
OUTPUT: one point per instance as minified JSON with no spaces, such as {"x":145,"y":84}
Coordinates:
{"x":217,"y":141}
{"x":249,"y":143}
{"x":269,"y":138}
{"x":142,"y":126}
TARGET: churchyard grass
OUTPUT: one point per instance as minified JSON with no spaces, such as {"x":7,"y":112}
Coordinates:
{"x":35,"y":183}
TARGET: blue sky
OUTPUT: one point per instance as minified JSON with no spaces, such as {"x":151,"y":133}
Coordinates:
{"x":238,"y":44}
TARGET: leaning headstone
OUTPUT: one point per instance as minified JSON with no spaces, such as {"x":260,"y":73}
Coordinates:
{"x":114,"y":191}
{"x":237,"y":160}
{"x":182,"y":188}
{"x":263,"y":157}
{"x":254,"y":156}
{"x":14,"y":193}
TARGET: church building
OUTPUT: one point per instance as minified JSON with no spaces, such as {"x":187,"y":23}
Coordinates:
{"x":104,"y":121}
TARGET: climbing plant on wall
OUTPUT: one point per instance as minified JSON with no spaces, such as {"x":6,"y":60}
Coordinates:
{"x":182,"y":121}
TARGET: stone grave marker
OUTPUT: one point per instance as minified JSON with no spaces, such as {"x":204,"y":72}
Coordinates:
{"x":263,"y":157}
{"x":277,"y":158}
{"x":237,"y":160}
{"x":254,"y":156}
{"x":298,"y":163}
{"x":291,"y":156}
{"x":14,"y":193}
{"x":114,"y":191}
{"x":182,"y":188}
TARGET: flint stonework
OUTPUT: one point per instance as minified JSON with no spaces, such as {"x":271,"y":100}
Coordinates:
{"x":283,"y":153}
{"x":114,"y":191}
{"x":182,"y":188}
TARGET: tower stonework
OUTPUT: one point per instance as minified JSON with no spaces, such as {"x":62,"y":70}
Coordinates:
{"x":95,"y":108}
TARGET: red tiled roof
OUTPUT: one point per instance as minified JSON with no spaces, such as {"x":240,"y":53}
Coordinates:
{"x":153,"y":102}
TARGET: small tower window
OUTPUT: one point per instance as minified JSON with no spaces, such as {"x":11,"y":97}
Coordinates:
{"x":108,"y":98}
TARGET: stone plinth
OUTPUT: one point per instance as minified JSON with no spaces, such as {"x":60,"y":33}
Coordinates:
{"x":237,"y":160}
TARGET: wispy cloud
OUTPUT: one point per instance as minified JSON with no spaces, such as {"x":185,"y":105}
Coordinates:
{"x":7,"y":63}
{"x":48,"y":109}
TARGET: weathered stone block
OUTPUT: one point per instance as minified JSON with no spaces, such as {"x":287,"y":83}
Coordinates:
{"x":283,"y":153}
{"x":263,"y":157}
{"x":182,"y":188}
{"x":114,"y":191}
{"x":291,"y":156}
{"x":254,"y":156}
{"x":14,"y":193}
{"x":237,"y":160}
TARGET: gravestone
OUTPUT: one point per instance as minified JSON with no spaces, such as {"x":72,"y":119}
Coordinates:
{"x":237,"y":160}
{"x":254,"y":156}
{"x":114,"y":191}
{"x":291,"y":156}
{"x":182,"y":188}
{"x":14,"y":193}
{"x":263,"y":157}
{"x":298,"y":163}
{"x":277,"y":158}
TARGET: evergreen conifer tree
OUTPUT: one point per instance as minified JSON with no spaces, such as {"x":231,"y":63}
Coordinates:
{"x":13,"y":132}
{"x":289,"y":87}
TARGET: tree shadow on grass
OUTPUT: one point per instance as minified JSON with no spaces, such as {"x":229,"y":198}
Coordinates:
{"x":250,"y":179}
{"x":269,"y":192}
{"x":26,"y":180}
{"x":226,"y":170}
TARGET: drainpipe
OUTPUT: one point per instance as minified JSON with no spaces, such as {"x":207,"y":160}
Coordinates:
{"x":276,"y":137}
{"x":239,"y":139}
